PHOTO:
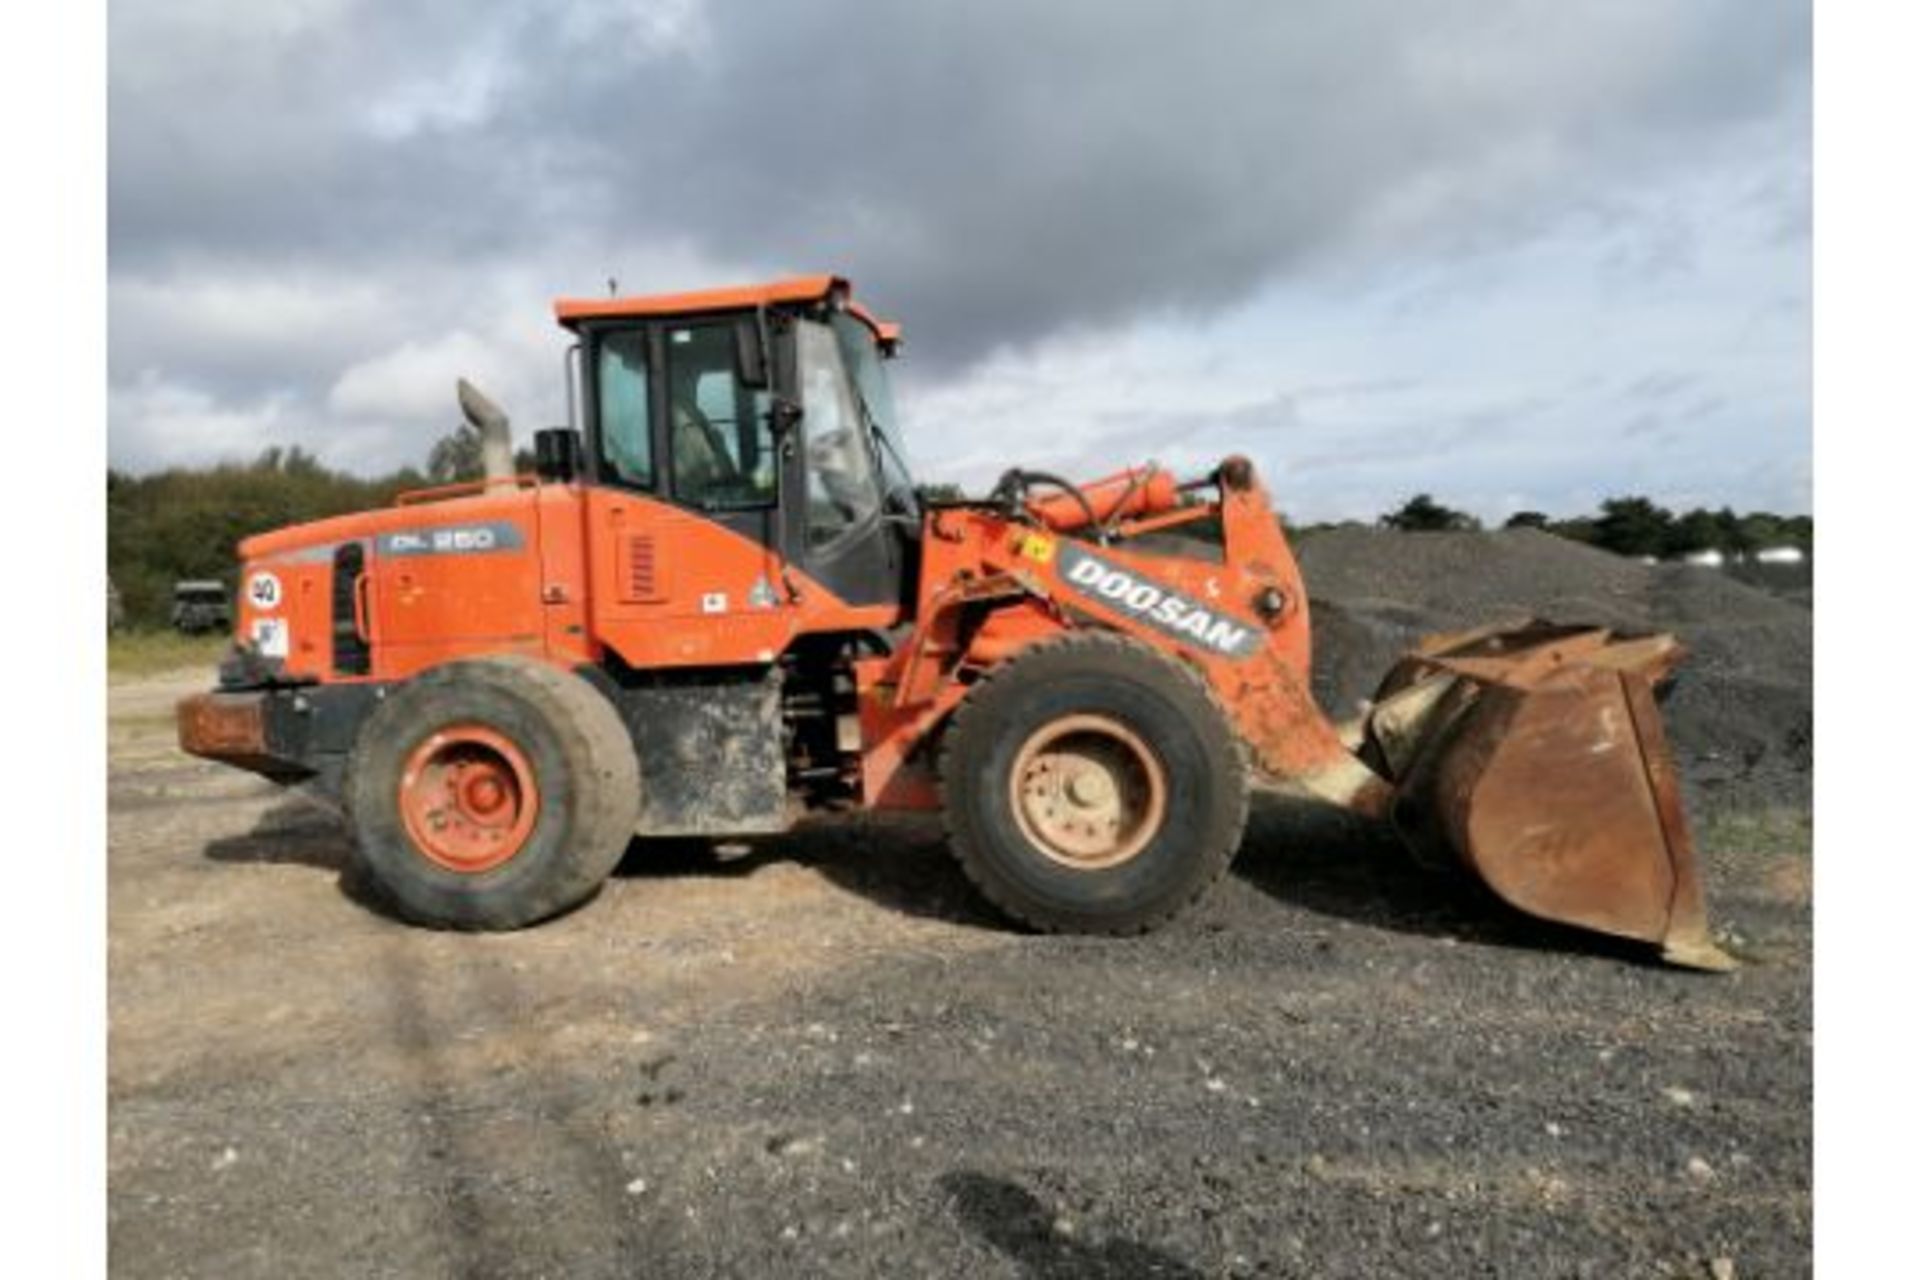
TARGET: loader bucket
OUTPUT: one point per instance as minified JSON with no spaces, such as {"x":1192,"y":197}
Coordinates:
{"x":1535,"y":756}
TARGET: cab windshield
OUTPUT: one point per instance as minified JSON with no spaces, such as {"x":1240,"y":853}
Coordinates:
{"x":870,"y":379}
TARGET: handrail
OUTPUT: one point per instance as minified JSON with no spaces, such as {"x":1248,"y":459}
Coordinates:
{"x":461,"y":488}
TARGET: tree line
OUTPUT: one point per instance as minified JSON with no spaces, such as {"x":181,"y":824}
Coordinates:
{"x":1629,"y":526}
{"x":185,"y":522}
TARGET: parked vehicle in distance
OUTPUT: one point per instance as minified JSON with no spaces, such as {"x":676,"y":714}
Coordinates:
{"x":201,"y":605}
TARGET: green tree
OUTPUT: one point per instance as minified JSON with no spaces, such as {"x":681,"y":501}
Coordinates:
{"x":1697,"y":530}
{"x":1528,"y":520}
{"x":455,"y":457}
{"x":187,"y":523}
{"x":1575,"y":529}
{"x":1633,"y":527}
{"x":1763,"y":529}
{"x":1421,"y":514}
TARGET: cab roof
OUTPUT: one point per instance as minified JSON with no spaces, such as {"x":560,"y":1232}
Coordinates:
{"x":797,"y":290}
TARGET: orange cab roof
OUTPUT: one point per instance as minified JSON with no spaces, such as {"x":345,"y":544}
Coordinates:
{"x":570,"y":311}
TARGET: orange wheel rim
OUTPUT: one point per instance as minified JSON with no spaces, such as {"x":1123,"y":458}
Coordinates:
{"x":1088,"y":792}
{"x":468,"y":798}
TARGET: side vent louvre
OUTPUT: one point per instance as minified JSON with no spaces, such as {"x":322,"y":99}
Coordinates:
{"x":641,"y":581}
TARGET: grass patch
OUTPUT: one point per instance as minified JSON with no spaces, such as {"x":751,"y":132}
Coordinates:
{"x":131,"y":654}
{"x":1771,"y":831}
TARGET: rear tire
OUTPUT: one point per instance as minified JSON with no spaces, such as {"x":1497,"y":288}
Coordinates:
{"x":491,"y":793}
{"x":1092,"y":785}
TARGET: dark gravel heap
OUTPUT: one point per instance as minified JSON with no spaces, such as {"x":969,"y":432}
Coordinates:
{"x":1741,"y":717}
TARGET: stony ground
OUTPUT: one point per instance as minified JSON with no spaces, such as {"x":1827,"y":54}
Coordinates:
{"x":819,"y":1057}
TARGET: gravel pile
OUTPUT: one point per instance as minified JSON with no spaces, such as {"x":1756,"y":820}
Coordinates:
{"x":1741,"y":717}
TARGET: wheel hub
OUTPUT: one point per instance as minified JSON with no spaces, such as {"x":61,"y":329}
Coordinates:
{"x":468,"y":798}
{"x":1088,"y":792}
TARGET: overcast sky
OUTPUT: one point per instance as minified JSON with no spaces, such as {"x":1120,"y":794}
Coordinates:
{"x":1518,"y":253}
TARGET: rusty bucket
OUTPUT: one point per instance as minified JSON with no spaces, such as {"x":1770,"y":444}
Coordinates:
{"x":1535,"y":755}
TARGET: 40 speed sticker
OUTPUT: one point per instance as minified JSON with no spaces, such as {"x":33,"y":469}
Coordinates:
{"x":1161,"y":608}
{"x":263,"y":591}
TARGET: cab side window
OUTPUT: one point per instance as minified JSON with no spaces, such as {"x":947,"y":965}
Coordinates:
{"x":721,"y":438}
{"x":841,"y":489}
{"x":626,"y":423}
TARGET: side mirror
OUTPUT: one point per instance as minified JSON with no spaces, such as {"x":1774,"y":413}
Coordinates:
{"x":750,"y":350}
{"x":556,"y":454}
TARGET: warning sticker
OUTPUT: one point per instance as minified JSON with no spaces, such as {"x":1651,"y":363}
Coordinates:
{"x":270,"y":637}
{"x":1037,"y":547}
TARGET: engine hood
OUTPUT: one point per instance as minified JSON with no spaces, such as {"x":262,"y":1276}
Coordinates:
{"x":319,"y":537}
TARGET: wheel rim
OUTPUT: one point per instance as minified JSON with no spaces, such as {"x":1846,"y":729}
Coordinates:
{"x":468,"y":798}
{"x":1088,"y":792}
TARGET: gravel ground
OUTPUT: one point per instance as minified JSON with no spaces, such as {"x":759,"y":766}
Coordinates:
{"x":817,"y":1056}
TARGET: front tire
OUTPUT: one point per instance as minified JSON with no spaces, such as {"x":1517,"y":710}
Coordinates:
{"x":1092,"y":785}
{"x":491,"y":794}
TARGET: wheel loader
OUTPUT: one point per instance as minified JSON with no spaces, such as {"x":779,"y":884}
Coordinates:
{"x":719,"y":603}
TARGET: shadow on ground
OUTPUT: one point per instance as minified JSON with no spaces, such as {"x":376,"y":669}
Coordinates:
{"x":1299,"y":852}
{"x":1008,"y":1217}
{"x":304,"y":832}
{"x":1311,"y":855}
{"x":897,"y":862}
{"x":296,"y":831}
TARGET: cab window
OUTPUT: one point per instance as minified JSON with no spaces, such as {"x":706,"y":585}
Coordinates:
{"x":841,"y":490}
{"x":721,"y":440}
{"x":626,"y":427}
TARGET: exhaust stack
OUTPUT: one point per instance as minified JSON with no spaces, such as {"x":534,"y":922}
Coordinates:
{"x":496,"y":434}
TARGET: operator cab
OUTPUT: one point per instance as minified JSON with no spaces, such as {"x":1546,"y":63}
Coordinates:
{"x":765,"y":409}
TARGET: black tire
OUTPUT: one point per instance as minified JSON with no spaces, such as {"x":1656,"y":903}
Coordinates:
{"x":581,"y":758}
{"x":1170,"y":709}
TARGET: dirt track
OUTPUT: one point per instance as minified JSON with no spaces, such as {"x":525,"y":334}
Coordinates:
{"x":822,"y":1058}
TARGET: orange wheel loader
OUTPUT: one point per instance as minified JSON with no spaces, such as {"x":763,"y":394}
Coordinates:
{"x":719,"y":602}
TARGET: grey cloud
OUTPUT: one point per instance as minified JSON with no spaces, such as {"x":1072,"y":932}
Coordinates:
{"x":998,"y":171}
{"x":1009,"y":169}
{"x":1659,"y":384}
{"x":302,"y":189}
{"x":1646,"y":425}
{"x":1400,"y":442}
{"x":1705,"y":407}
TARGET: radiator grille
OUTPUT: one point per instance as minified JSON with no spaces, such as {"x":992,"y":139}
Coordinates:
{"x":351,"y":657}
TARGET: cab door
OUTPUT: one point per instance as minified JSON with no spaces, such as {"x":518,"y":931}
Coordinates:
{"x":841,"y":531}
{"x":682,"y":520}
